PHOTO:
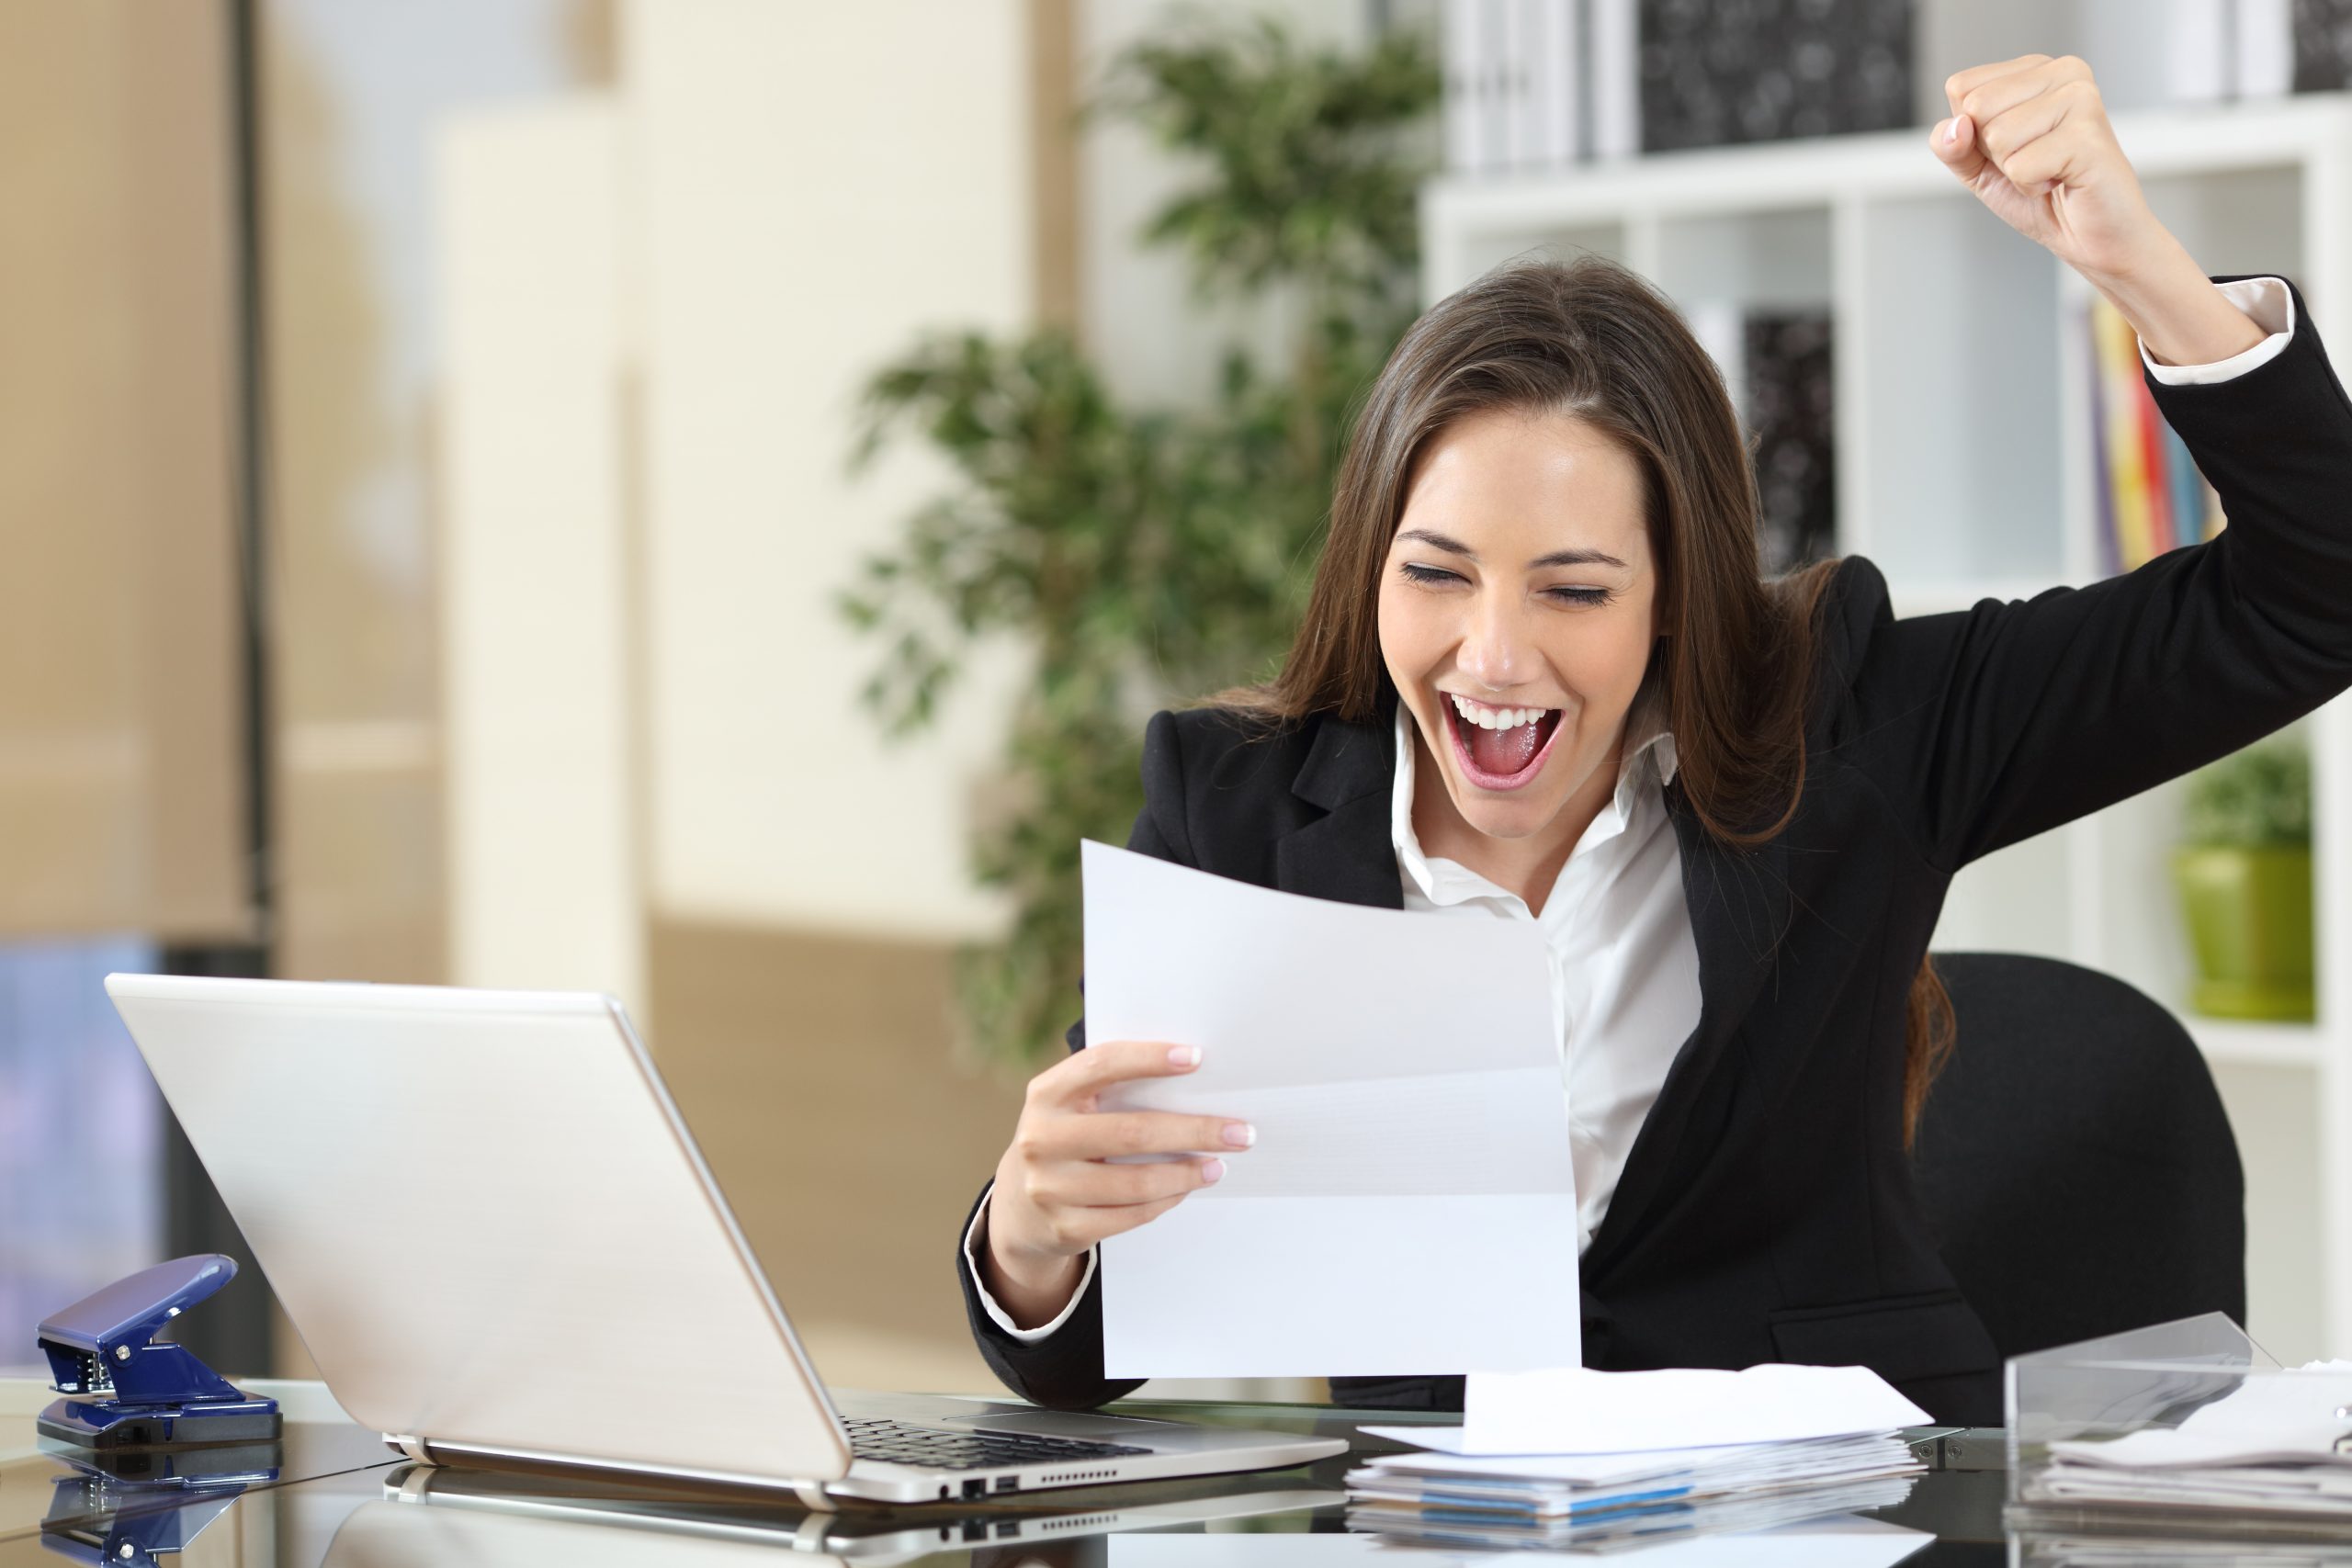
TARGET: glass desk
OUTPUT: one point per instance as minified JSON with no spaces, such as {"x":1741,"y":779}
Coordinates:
{"x":331,"y":1495}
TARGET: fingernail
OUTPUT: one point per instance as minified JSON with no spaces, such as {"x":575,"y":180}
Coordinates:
{"x":1952,"y":131}
{"x":1184,"y":1056}
{"x":1212,"y":1172}
{"x":1241,"y":1135}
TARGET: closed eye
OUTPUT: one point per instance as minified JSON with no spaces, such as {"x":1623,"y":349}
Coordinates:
{"x":1437,"y":576}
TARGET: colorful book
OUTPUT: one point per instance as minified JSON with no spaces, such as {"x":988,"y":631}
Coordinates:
{"x":2161,"y":534}
{"x":2149,"y":494}
{"x":2126,"y":473}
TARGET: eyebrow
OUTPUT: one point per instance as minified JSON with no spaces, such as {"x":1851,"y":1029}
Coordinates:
{"x":1558,"y":557}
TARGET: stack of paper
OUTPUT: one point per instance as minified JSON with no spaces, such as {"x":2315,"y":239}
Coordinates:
{"x":1600,"y":1460}
{"x":1625,"y":1499}
{"x":2274,"y":1447}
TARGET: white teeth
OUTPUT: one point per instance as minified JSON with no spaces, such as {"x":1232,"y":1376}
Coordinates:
{"x":1496,"y":719}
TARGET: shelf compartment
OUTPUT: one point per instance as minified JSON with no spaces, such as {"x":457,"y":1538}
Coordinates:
{"x":1953,"y":394}
{"x":1750,"y":259}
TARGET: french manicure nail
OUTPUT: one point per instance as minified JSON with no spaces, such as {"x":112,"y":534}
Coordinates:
{"x":1184,"y":1056}
{"x":1241,"y":1135}
{"x":1212,"y":1172}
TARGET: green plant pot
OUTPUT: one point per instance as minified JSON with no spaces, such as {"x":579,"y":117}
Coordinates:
{"x":2250,"y":918}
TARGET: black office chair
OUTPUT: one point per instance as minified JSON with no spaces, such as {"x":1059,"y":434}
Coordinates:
{"x":2074,"y":1160}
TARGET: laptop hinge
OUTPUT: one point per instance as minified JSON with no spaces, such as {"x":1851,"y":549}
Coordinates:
{"x":414,"y":1448}
{"x":811,"y":1495}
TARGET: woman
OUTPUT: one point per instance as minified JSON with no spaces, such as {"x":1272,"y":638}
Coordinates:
{"x":1540,"y":678}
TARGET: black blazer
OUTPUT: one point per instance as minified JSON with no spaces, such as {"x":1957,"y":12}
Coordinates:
{"x":1765,"y":1211}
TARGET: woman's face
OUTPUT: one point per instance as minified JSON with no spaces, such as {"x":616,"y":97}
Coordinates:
{"x":1518,"y":607}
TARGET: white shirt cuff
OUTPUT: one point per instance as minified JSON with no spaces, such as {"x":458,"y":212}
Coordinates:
{"x":997,"y":1315}
{"x":2271,"y":307}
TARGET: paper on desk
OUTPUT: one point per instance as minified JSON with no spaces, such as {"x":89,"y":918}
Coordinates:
{"x":1576,"y":1410}
{"x":2285,"y":1418}
{"x":1410,"y":1206}
{"x":1720,"y":1465}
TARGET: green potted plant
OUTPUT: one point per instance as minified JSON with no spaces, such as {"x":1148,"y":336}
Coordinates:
{"x":2244,"y":871}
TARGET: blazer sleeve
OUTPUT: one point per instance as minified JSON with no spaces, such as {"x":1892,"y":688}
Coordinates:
{"x":1064,"y":1369}
{"x":1991,"y":725}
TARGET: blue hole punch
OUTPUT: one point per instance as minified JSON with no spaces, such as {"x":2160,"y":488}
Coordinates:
{"x":124,"y":1387}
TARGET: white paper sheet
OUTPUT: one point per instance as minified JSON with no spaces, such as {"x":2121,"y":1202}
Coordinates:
{"x":1579,"y":1411}
{"x":2270,"y":1418}
{"x":1410,"y":1206}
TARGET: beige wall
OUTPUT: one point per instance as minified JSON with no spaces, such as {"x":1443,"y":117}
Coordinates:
{"x":539,"y":595}
{"x":813,"y":185}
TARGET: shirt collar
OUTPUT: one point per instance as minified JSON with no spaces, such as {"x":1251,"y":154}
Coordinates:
{"x":1649,"y":746}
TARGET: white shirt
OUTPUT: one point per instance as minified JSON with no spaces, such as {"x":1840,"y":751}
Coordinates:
{"x":1624,"y":964}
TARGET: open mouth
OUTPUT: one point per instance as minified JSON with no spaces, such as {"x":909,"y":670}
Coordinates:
{"x":1499,"y":747}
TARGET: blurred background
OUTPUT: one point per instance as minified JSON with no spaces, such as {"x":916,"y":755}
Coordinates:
{"x":694,"y":499}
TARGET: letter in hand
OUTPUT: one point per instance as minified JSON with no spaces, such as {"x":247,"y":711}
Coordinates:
{"x":1076,"y":1173}
{"x":2030,"y":138}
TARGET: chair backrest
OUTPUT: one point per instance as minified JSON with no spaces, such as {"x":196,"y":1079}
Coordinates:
{"x":2074,"y":1160}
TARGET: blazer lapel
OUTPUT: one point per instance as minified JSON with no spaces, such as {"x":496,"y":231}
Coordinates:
{"x":1739,"y":903}
{"x":1346,"y":853}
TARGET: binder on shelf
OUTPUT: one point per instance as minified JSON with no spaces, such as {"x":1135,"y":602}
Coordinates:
{"x":1495,"y":94}
{"x":1613,"y":33}
{"x":1523,"y":117}
{"x":1462,"y":107}
{"x":1709,"y":76}
{"x":1517,"y":85}
{"x":1549,"y":30}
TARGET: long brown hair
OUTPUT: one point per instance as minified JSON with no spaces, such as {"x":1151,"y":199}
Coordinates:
{"x":1592,"y":339}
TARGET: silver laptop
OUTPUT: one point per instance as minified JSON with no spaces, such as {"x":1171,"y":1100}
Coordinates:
{"x":496,"y":1238}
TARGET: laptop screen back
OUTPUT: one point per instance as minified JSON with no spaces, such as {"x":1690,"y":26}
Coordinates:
{"x":487,"y":1222}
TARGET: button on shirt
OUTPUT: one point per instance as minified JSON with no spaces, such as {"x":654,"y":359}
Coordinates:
{"x":1624,"y":966}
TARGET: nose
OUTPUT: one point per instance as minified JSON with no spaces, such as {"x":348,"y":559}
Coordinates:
{"x":1497,"y":650}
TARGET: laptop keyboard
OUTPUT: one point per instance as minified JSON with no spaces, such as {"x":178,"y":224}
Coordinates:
{"x":943,"y":1448}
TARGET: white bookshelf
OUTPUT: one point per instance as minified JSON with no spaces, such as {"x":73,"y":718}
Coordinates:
{"x":1964,"y":471}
